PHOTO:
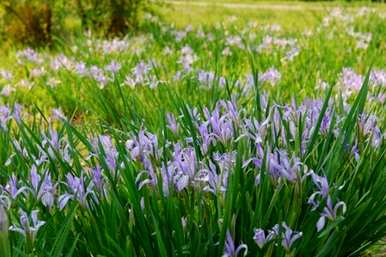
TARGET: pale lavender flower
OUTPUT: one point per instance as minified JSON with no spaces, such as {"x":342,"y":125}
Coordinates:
{"x":140,"y":71}
{"x":52,"y":142}
{"x":222,"y":125}
{"x":230,"y":250}
{"x":30,"y":55}
{"x":113,"y":67}
{"x":172,"y":122}
{"x":271,"y":76}
{"x":57,"y":114}
{"x":81,"y":69}
{"x":234,"y":41}
{"x":37,"y":72}
{"x":98,"y":75}
{"x":114,"y":46}
{"x":5,"y":116}
{"x":378,"y":78}
{"x":29,"y":224}
{"x":350,"y":81}
{"x":7,"y":90}
{"x":291,"y":54}
{"x":187,"y":58}
{"x":6,"y":75}
{"x":206,"y":77}
{"x":289,"y":237}
{"x":321,"y":183}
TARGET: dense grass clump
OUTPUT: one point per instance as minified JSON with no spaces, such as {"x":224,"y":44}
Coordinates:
{"x":218,"y":141}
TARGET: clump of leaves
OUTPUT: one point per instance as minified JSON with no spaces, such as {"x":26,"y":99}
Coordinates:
{"x":29,"y":22}
{"x":114,"y":17}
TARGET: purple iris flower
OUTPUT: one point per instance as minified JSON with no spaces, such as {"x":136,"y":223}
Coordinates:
{"x":271,"y":76}
{"x":330,"y":212}
{"x":12,"y":188}
{"x":323,"y":190}
{"x":149,"y":172}
{"x":76,"y":191}
{"x":215,"y":182}
{"x":260,"y":237}
{"x":29,"y":224}
{"x":289,"y":237}
{"x":172,"y":122}
{"x":145,"y":144}
{"x":5,"y":116}
{"x":43,"y":189}
{"x":207,"y":138}
{"x":109,"y":151}
{"x":230,"y":250}
{"x":280,"y":165}
{"x":97,"y":178}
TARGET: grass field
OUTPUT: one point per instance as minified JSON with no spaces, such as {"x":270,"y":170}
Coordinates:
{"x":226,"y":129}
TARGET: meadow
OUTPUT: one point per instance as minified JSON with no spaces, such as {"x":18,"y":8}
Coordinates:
{"x":214,"y":131}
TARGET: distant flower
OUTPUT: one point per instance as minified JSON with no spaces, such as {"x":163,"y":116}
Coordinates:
{"x":5,"y":116}
{"x":187,"y":58}
{"x":378,"y":78}
{"x":98,"y":75}
{"x":113,"y":67}
{"x":7,"y":90}
{"x":172,"y":122}
{"x":271,"y":76}
{"x":81,"y":69}
{"x":350,"y":81}
{"x":6,"y":75}
{"x":57,"y":114}
{"x":291,"y":54}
